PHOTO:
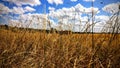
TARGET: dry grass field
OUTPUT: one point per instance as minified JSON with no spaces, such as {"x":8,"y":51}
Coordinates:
{"x":27,"y":49}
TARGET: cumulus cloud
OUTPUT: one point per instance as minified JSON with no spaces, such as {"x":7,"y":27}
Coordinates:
{"x":55,"y":1}
{"x":72,"y":19}
{"x":74,"y":0}
{"x":51,"y":8}
{"x":21,"y":10}
{"x":36,"y":21}
{"x":74,"y":12}
{"x":30,"y":9}
{"x":14,"y":23}
{"x":102,"y":17}
{"x":4,"y":9}
{"x":18,"y":10}
{"x":25,"y":2}
{"x":83,"y":9}
{"x":40,"y":21}
{"x":112,"y":8}
{"x":101,"y":22}
{"x":60,"y":19}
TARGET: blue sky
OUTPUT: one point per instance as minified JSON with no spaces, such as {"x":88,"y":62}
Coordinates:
{"x":55,"y":9}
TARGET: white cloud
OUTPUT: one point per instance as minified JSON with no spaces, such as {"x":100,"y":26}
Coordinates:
{"x":18,"y":10}
{"x":112,"y":8}
{"x":72,"y":16}
{"x":66,"y":18}
{"x":74,"y":0}
{"x":83,"y":9}
{"x":51,"y":8}
{"x":25,"y":2}
{"x":72,"y":12}
{"x":36,"y":21}
{"x":30,"y":9}
{"x":92,"y":9}
{"x":76,"y":21}
{"x":62,"y":19}
{"x":102,"y":17}
{"x":4,"y":9}
{"x":55,"y":1}
{"x":14,"y":23}
{"x":21,"y":10}
{"x":84,"y":19}
{"x":39,"y":21}
{"x":89,"y":0}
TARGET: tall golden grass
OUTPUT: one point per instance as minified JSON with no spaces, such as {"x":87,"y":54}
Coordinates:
{"x":26,"y":49}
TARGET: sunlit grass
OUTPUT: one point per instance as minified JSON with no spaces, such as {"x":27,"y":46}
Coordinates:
{"x":26,"y":49}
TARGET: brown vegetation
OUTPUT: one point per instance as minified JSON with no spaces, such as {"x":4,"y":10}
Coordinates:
{"x":27,"y":49}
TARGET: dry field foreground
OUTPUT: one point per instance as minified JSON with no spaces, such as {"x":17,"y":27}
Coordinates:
{"x":25,"y":49}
